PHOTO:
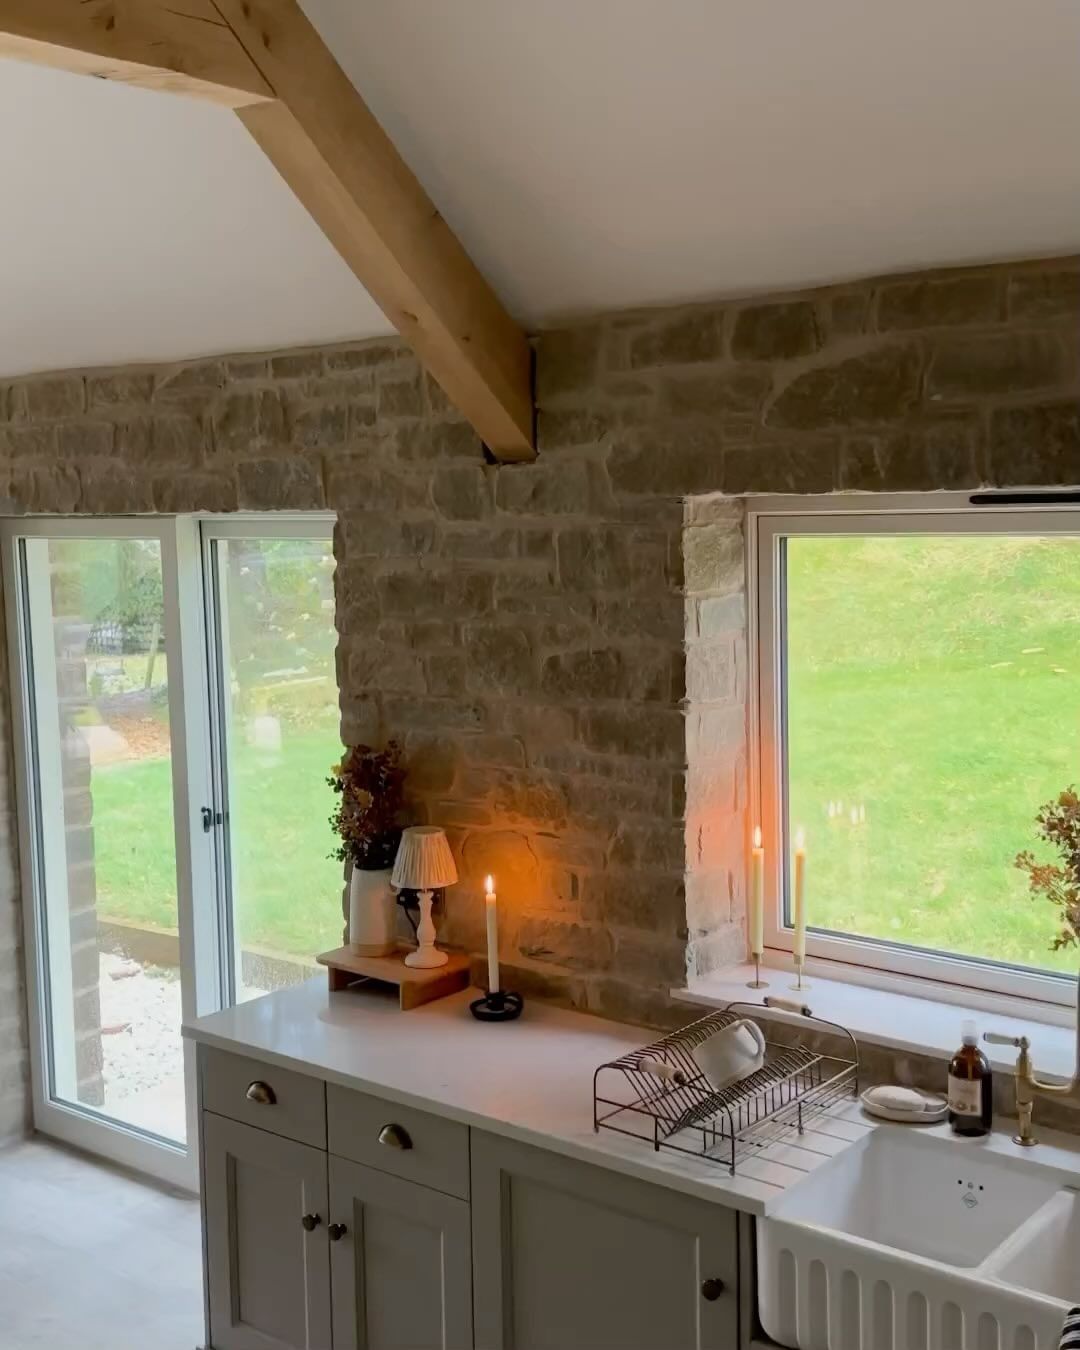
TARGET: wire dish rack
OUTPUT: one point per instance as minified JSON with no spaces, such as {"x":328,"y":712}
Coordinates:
{"x":659,"y":1094}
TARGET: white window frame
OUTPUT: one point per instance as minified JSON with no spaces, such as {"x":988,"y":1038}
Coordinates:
{"x":769,"y":521}
{"x":198,"y":780}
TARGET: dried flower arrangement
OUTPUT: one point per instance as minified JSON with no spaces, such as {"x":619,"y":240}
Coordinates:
{"x":367,"y":815}
{"x":1059,"y":824}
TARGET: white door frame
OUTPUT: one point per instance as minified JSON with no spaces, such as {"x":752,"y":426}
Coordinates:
{"x":196,"y":907}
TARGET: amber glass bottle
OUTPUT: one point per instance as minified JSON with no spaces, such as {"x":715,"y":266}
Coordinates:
{"x":971,"y":1087}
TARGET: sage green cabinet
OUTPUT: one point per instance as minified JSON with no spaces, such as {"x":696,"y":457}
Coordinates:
{"x":400,"y":1263}
{"x":567,"y":1256}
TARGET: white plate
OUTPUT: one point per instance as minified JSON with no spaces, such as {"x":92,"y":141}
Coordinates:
{"x":937,"y":1108}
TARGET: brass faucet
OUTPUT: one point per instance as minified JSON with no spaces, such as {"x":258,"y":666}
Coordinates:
{"x":1026,"y":1084}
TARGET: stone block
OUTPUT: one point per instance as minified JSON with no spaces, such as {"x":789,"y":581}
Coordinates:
{"x":364,"y":356}
{"x":792,"y":468}
{"x":296,"y":365}
{"x":567,"y":360}
{"x":573,"y":946}
{"x":1042,"y":295}
{"x":710,"y":672}
{"x":124,"y":389}
{"x":501,"y":660}
{"x":163,"y":438}
{"x":595,"y":674}
{"x":714,"y":558}
{"x":689,"y":338}
{"x":84,"y":440}
{"x":775,"y":332}
{"x":935,"y":456}
{"x":401,"y":398}
{"x":652,"y":733}
{"x":986,"y":364}
{"x":428,"y":594}
{"x":201,"y":379}
{"x":319,"y":426}
{"x":50,"y":397}
{"x":249,"y":422}
{"x":285,"y":483}
{"x":180,"y":493}
{"x":939,"y":302}
{"x":718,"y":614}
{"x":243,"y":368}
{"x":483,"y":542}
{"x":594,"y":558}
{"x":880,"y":385}
{"x":1035,"y":446}
{"x":32,"y":440}
{"x":115,"y":489}
{"x":716,"y":394}
{"x":683,"y":458}
{"x":548,"y":488}
{"x":573,"y":427}
{"x":844,"y":314}
{"x":715,"y":733}
{"x":652,"y":902}
{"x":499,"y":750}
{"x":47,"y":488}
{"x":372,"y":667}
{"x":462,"y":491}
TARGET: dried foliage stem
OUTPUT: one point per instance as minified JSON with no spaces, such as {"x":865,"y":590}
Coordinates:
{"x":367,"y":814}
{"x":1059,"y":825}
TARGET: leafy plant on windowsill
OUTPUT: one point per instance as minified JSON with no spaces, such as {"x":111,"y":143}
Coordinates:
{"x":369,"y":786}
{"x":1059,"y":825}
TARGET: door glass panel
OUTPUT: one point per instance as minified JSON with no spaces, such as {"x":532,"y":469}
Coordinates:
{"x":279,"y":736}
{"x":97,"y":680}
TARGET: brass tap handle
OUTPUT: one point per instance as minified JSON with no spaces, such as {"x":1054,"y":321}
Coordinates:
{"x":262,"y":1094}
{"x":395,"y":1136}
{"x":998,"y":1038}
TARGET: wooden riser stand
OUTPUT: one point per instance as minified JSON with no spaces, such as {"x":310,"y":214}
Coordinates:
{"x":415,"y":987}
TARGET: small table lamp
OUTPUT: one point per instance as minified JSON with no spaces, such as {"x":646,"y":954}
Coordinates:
{"x":424,"y":864}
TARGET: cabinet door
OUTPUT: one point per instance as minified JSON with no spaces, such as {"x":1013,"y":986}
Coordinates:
{"x":401,"y":1269}
{"x":268,"y":1275}
{"x":567,"y":1256}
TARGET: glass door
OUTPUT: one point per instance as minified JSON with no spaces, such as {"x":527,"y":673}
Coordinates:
{"x":98,"y":699}
{"x":276,"y":733}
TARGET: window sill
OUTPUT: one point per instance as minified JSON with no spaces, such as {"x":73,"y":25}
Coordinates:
{"x":897,"y":1021}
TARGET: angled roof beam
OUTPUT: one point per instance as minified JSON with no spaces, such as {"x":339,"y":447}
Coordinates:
{"x":265,"y":60}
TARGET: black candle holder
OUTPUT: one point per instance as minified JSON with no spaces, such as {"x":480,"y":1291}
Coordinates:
{"x":497,"y":1006}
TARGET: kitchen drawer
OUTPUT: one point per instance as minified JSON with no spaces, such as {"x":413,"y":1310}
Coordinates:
{"x":399,"y":1140}
{"x":255,"y":1093}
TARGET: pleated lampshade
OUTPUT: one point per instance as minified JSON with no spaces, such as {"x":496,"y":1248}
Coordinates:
{"x":424,"y":861}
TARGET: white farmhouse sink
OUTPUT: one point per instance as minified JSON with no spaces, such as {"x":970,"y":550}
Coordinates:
{"x":910,"y":1241}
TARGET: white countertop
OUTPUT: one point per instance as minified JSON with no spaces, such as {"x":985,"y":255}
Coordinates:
{"x":530,"y":1080}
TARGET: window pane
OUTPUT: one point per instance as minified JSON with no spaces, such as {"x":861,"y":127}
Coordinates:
{"x":106,"y":847}
{"x":282,"y":727}
{"x":933,"y":701}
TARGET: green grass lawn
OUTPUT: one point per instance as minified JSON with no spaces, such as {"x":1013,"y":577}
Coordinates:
{"x":937,"y":683}
{"x":288,"y":892}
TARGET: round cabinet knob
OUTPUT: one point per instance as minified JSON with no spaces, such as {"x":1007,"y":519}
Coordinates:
{"x":261,"y":1093}
{"x":712,"y":1289}
{"x":311,"y":1222}
{"x":395,"y":1136}
{"x":337,"y":1231}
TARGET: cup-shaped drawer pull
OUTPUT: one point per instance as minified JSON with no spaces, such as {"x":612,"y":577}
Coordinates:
{"x":395,"y":1136}
{"x":262,"y":1094}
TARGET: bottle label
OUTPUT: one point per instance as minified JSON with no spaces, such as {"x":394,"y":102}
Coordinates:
{"x":965,"y":1096}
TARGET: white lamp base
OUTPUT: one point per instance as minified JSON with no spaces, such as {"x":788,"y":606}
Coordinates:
{"x":427,"y":956}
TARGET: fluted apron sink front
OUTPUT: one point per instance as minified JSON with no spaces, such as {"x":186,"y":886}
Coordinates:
{"x":908,"y":1241}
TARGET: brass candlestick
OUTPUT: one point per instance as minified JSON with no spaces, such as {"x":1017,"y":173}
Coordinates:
{"x":800,"y":983}
{"x":757,"y":982}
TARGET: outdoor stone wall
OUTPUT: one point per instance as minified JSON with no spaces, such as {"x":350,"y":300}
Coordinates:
{"x":551,"y":640}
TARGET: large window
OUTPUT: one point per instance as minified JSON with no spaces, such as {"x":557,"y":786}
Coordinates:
{"x":919,"y":699}
{"x":176,"y":706}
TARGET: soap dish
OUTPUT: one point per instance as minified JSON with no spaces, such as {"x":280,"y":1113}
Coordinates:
{"x":905,"y":1106}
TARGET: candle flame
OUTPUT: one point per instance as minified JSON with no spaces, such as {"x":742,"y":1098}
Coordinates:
{"x":757,"y":836}
{"x":489,"y":884}
{"x":800,"y":839}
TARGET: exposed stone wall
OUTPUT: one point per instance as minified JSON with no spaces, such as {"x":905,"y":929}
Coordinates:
{"x":522,"y":628}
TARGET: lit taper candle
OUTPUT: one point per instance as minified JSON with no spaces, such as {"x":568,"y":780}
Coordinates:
{"x":800,"y":895}
{"x":492,"y":935}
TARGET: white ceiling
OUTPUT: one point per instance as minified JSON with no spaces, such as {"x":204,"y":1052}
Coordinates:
{"x":592,"y":154}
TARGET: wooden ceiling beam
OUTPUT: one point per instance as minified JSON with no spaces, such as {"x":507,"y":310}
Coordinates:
{"x":264,"y":59}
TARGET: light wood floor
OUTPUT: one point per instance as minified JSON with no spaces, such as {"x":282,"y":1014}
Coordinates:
{"x":92,"y":1259}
